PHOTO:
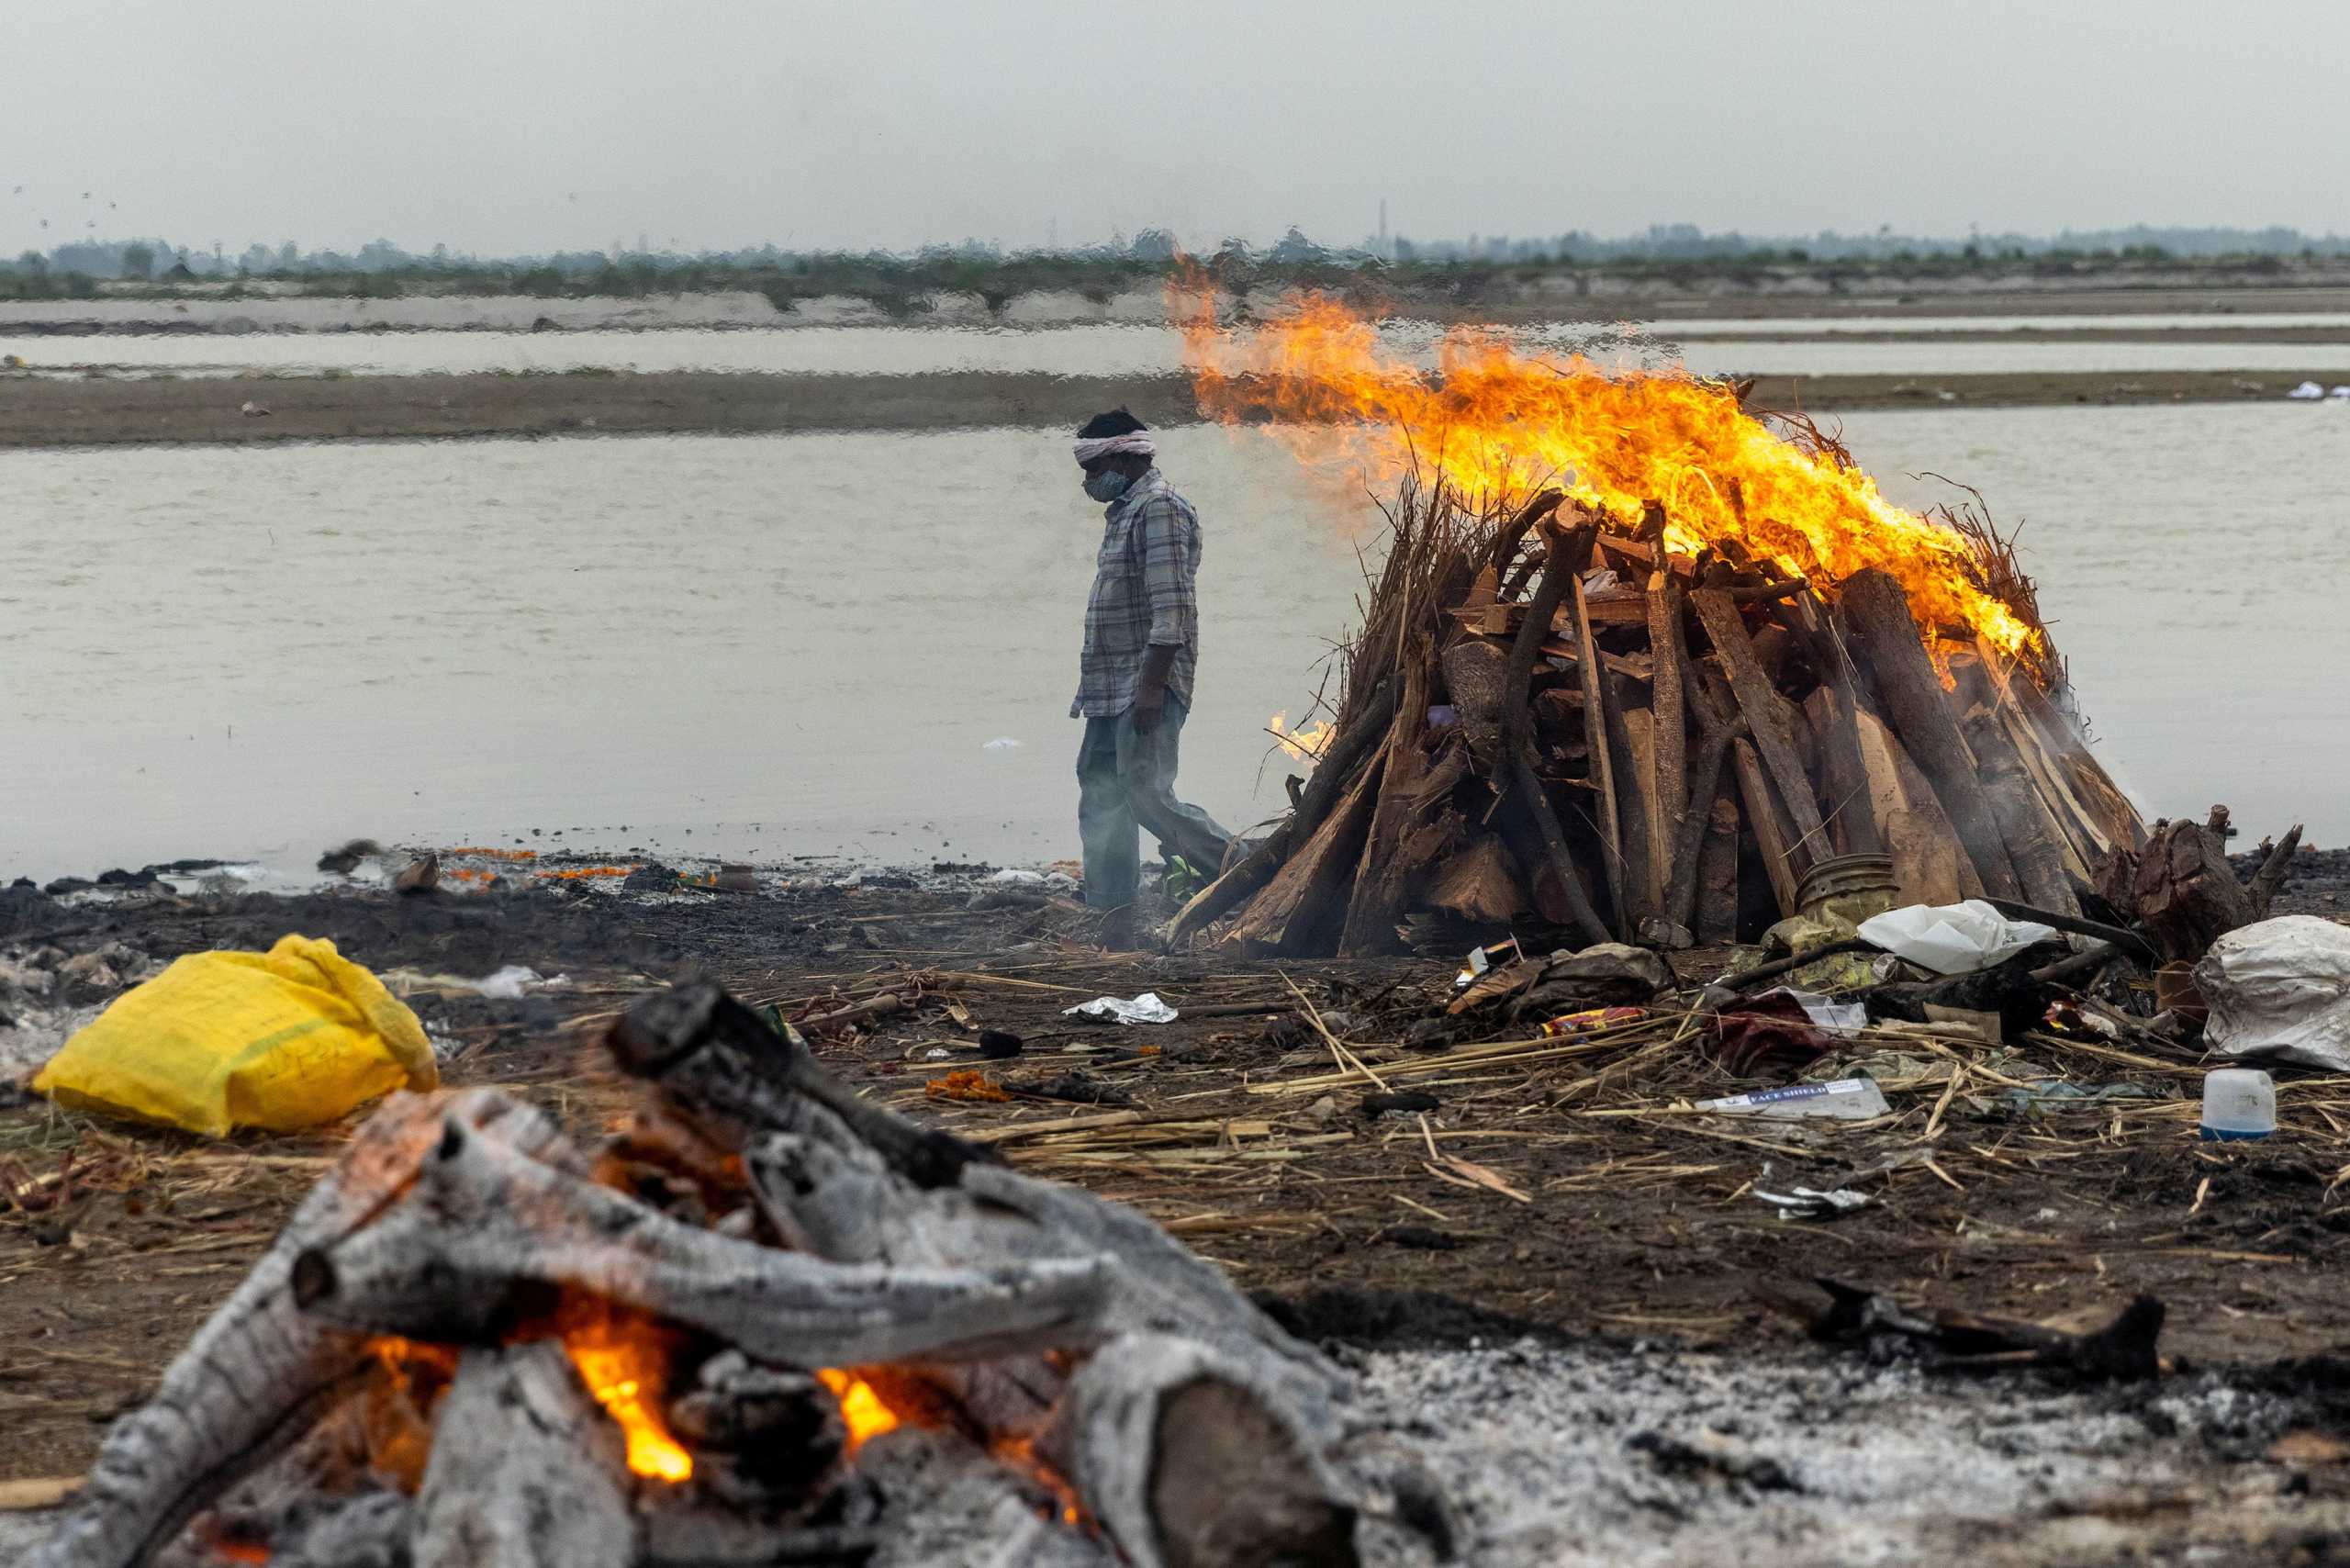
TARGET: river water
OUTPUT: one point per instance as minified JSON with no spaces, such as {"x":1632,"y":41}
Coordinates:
{"x":817,"y":644}
{"x":1101,"y":349}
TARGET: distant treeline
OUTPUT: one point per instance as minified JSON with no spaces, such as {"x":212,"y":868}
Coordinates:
{"x":903,"y":282}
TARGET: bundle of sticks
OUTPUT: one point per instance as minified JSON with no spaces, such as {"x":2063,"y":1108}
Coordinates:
{"x":1550,"y":715}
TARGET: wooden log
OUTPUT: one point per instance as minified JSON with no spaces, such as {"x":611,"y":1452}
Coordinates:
{"x":1719,"y":726}
{"x":1836,"y":727}
{"x":1774,"y":836}
{"x":1849,"y":810}
{"x":1716,"y":916}
{"x":1766,"y":712}
{"x":1647,"y":846}
{"x":261,"y":1371}
{"x":1382,"y":881}
{"x":1668,"y":784}
{"x":2274,"y":871}
{"x":2187,"y":893}
{"x":1606,"y":812}
{"x":1513,"y":771}
{"x":2026,"y":828}
{"x":1886,"y":642}
{"x":1363,"y":731}
{"x":1479,"y":884}
{"x":1642,"y":901}
{"x":526,"y":1471}
{"x":2102,"y":815}
{"x":1929,"y":863}
{"x":1187,"y":1464}
{"x":483,"y":1224}
{"x":1302,"y":911}
{"x":1137,"y":1445}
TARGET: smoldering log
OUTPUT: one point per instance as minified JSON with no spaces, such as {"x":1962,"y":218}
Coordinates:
{"x":455,"y":1255}
{"x":261,"y":1371}
{"x":526,"y":1470}
{"x":1187,"y":1465}
{"x":830,"y":1193}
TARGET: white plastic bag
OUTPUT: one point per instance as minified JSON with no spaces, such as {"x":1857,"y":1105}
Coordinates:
{"x":1951,"y":938}
{"x":1144,"y":1009}
{"x":2281,"y":989}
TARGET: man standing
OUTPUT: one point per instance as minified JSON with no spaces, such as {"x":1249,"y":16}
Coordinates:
{"x":1142,"y":639}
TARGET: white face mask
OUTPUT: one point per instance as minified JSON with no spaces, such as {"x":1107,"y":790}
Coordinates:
{"x":1107,"y":485}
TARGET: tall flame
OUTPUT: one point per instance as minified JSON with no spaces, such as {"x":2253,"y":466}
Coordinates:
{"x":1495,"y":423}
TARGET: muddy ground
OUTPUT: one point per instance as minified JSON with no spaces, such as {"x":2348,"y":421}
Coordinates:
{"x":1561,"y":1189}
{"x":100,"y":410}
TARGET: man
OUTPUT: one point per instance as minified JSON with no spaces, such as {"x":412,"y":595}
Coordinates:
{"x":1142,"y":638}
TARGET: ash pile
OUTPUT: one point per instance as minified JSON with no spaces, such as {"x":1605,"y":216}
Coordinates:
{"x":765,"y":1321}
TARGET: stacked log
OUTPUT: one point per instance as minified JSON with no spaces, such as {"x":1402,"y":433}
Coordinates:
{"x":1553,"y":718}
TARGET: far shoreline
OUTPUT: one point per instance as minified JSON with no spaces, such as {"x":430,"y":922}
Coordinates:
{"x":93,"y":411}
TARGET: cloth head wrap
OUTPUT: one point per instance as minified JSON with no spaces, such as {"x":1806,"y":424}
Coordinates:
{"x":1138,"y":443}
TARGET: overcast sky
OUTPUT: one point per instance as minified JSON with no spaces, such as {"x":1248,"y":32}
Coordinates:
{"x":508,"y":126}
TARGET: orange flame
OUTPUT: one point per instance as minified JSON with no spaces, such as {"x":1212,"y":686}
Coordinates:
{"x":1493,"y":423}
{"x":861,"y":1407}
{"x":624,"y":1370}
{"x":1305,"y":742}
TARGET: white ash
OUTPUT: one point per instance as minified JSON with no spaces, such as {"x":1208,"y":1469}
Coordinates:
{"x":1643,"y":1454}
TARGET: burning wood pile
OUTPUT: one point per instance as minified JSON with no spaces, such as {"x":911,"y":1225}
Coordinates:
{"x":767,"y":1322}
{"x":1648,"y":703}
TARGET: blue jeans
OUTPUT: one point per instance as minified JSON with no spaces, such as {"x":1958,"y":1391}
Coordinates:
{"x":1125,"y":782}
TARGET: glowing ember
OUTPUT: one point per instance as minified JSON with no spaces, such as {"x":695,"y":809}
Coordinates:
{"x":1305,"y":742}
{"x":1493,"y":423}
{"x":861,"y":1409}
{"x":623,"y":1370}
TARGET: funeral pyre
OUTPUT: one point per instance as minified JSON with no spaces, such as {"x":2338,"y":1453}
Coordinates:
{"x":765,"y":1321}
{"x":1637,"y":657}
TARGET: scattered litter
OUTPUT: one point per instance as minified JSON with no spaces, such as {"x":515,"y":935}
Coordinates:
{"x":1769,"y":1032}
{"x":997,"y":1045}
{"x":1480,"y":959}
{"x":1952,"y":939}
{"x":1843,"y":1100}
{"x":1843,"y":1020}
{"x":2307,"y":392}
{"x":1588,"y":1021}
{"x":1013,"y":876}
{"x":968,"y":1084}
{"x":1809,"y":1203}
{"x":1144,"y":1009}
{"x":515,"y":981}
{"x":2281,"y":989}
{"x":282,"y":1040}
{"x":2054,"y":1094}
{"x":1002,"y":742}
{"x":2238,"y":1102}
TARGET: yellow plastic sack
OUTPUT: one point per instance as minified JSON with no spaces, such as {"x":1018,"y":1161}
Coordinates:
{"x":285,"y":1039}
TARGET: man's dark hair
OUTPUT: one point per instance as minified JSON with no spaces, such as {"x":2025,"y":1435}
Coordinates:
{"x":1117,"y":421}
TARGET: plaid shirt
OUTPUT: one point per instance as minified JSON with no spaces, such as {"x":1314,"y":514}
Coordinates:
{"x":1145,"y":594}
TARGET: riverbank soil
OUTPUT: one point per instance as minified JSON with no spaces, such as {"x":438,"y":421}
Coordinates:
{"x":1563,"y":1187}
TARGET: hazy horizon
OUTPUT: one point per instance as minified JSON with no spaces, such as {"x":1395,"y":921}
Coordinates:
{"x":529,"y":126}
